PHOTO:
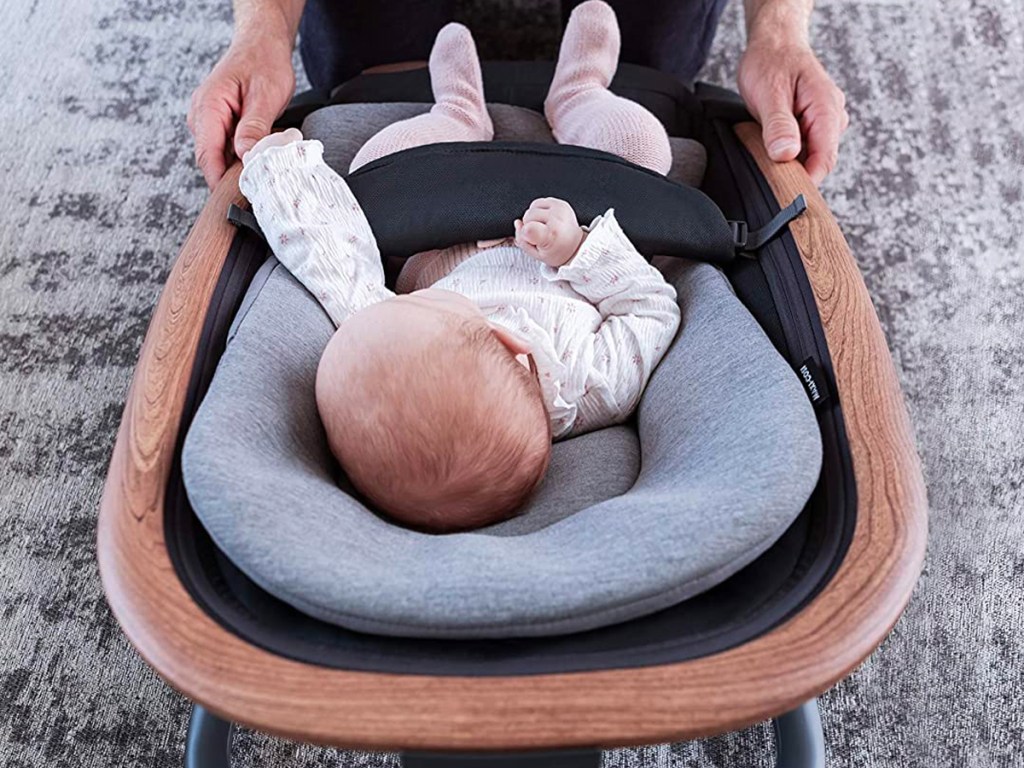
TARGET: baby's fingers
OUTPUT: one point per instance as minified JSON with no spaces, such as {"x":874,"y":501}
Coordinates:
{"x":536,"y":214}
{"x":535,"y":233}
{"x":527,"y":238}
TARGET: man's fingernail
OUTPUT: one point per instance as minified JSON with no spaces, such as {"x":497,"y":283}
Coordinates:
{"x":782,"y":147}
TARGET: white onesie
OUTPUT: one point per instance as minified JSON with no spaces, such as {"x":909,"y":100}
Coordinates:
{"x":596,"y":327}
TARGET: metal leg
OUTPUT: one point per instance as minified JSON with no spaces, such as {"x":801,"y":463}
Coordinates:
{"x":584,"y":758}
{"x":799,"y":742}
{"x":208,"y":744}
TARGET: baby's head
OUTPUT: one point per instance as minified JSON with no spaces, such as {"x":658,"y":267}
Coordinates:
{"x":431,"y":414}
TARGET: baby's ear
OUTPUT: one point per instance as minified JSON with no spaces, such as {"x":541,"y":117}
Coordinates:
{"x":515,"y":344}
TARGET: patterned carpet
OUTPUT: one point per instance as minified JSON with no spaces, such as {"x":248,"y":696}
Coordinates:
{"x":97,"y":190}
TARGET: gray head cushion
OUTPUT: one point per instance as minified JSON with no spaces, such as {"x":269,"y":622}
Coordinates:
{"x":723,"y":455}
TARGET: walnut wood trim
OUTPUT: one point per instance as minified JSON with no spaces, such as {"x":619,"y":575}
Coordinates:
{"x":726,"y":691}
{"x":401,"y":66}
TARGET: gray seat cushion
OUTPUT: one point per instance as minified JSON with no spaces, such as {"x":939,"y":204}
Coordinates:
{"x":724,"y":455}
{"x":344,"y":128}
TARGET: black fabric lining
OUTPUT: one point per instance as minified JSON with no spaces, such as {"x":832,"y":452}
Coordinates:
{"x":833,"y":505}
{"x":190,"y":548}
{"x":764,"y":593}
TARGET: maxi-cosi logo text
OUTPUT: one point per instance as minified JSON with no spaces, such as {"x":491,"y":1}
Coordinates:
{"x":812,"y":387}
{"x":814,"y":382}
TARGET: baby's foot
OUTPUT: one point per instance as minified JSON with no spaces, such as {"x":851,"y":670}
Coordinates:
{"x":457,"y":81}
{"x":581,"y":110}
{"x":588,"y":57}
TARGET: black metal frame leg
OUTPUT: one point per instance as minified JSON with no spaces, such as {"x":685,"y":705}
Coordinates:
{"x":208,"y":743}
{"x":581,"y":758}
{"x":799,"y":741}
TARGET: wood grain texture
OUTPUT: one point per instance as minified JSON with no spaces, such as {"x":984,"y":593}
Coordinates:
{"x":401,"y":66}
{"x":729,"y":690}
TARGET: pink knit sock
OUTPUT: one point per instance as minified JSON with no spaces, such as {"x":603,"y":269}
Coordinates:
{"x":581,"y":110}
{"x":459,"y":113}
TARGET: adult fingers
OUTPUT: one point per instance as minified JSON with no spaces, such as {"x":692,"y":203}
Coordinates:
{"x":258,"y":115}
{"x":210,"y":122}
{"x":780,"y":130}
{"x":823,"y":127}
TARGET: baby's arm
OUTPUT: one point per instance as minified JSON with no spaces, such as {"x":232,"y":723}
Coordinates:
{"x":313,"y":223}
{"x":639,"y":319}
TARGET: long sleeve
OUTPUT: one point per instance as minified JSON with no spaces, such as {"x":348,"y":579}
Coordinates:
{"x":315,"y":227}
{"x":606,"y":374}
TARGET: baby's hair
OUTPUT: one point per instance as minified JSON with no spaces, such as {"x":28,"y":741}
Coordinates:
{"x":449,"y":436}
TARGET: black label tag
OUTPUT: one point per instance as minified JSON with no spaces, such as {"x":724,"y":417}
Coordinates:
{"x":813,"y":377}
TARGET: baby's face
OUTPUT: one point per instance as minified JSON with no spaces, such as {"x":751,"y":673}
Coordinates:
{"x":419,"y":316}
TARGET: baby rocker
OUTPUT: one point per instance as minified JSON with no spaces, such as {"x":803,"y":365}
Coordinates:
{"x":736,"y":548}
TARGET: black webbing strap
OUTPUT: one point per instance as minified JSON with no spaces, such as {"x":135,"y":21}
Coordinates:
{"x":748,"y":241}
{"x":240,"y":217}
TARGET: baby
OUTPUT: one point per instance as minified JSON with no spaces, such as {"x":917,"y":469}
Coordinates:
{"x":441,"y":401}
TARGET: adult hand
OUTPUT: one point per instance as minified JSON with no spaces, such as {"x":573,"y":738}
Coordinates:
{"x":801,"y":111}
{"x":237,"y":103}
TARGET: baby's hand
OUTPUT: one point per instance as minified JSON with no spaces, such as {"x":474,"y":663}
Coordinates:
{"x":549,"y":231}
{"x":272,"y":140}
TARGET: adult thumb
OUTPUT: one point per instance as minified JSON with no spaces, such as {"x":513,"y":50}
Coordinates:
{"x":254,"y":124}
{"x":780,"y":130}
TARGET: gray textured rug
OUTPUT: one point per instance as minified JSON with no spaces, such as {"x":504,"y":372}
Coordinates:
{"x":97,"y":190}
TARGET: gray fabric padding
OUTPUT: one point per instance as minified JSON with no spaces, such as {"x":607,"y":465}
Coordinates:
{"x":255,"y":286}
{"x":344,"y":128}
{"x":730,"y":453}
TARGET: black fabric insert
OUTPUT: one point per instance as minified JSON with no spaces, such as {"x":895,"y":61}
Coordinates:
{"x":477,"y":189}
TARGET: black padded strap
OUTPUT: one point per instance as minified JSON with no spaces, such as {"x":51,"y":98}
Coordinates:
{"x":441,"y":194}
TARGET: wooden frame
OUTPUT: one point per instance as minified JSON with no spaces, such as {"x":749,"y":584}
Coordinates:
{"x":729,"y":690}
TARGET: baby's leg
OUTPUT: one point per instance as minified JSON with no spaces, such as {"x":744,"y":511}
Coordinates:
{"x":459,"y":113}
{"x":581,"y":110}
